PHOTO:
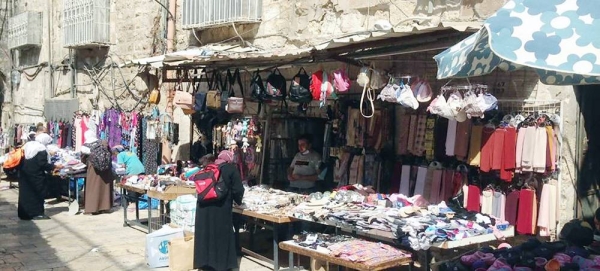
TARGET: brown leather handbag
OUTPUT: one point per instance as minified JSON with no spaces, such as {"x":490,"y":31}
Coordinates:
{"x":235,"y":105}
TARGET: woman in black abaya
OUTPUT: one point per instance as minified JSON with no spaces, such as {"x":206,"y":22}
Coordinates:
{"x":32,"y":180}
{"x":214,"y":242}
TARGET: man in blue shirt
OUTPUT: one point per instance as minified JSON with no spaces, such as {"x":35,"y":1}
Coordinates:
{"x":128,"y":159}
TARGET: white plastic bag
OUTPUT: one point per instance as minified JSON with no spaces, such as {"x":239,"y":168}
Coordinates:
{"x":157,"y":245}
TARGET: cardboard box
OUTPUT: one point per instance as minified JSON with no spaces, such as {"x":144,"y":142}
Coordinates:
{"x":157,"y":245}
{"x":181,"y":254}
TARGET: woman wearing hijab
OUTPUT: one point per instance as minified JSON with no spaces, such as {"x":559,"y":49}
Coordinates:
{"x":215,"y":245}
{"x":98,"y":184}
{"x":32,"y":182}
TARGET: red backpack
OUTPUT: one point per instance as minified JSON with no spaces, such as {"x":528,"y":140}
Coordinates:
{"x":209,"y":184}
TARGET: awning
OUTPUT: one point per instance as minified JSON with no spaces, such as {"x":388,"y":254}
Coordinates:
{"x":402,"y":31}
{"x":558,"y":38}
{"x":220,"y":53}
{"x":215,"y":53}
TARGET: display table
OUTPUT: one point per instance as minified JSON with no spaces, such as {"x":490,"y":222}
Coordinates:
{"x":292,"y":247}
{"x":137,"y":222}
{"x":272,"y":223}
{"x":389,"y":237}
{"x":163,"y":197}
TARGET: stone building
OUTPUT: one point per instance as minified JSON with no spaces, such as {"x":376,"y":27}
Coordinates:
{"x":53,"y":70}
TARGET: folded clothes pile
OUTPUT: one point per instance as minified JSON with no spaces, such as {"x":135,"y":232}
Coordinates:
{"x":531,"y":255}
{"x":350,"y":248}
{"x":269,"y":201}
{"x":366,"y":252}
{"x":411,"y":220}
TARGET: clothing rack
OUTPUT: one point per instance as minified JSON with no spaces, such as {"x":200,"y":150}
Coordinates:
{"x":531,"y":106}
{"x":540,"y":106}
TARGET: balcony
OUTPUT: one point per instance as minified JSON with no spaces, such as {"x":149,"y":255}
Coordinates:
{"x":201,"y":14}
{"x":86,"y":23}
{"x":25,"y":30}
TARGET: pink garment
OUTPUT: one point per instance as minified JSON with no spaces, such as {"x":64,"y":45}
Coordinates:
{"x":529,"y":145}
{"x":84,"y":127}
{"x":519,"y":154}
{"x":540,"y":150}
{"x":451,"y":137}
{"x":547,"y":214}
{"x":405,"y":181}
{"x":465,"y":190}
{"x":78,"y":134}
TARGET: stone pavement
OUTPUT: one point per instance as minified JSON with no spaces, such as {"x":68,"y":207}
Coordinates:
{"x":67,"y":242}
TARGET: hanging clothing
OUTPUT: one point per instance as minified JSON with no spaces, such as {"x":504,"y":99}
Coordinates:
{"x":512,"y":207}
{"x":529,"y":145}
{"x":214,"y":238}
{"x":412,"y":133}
{"x":487,"y":201}
{"x":540,"y":150}
{"x":475,"y":145}
{"x":403,"y":129}
{"x":441,"y":132}
{"x":548,"y":206}
{"x":429,"y":138}
{"x":451,"y":137}
{"x":405,"y":181}
{"x":473,"y":198}
{"x":487,"y":149}
{"x":527,"y":214}
{"x":463,"y":132}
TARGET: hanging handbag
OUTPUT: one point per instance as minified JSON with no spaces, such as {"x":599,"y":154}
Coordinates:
{"x":257,"y":86}
{"x":184,"y":99}
{"x":235,"y":105}
{"x":276,"y":85}
{"x":300,"y":88}
{"x":213,"y":96}
{"x":154,"y":96}
{"x":199,"y":96}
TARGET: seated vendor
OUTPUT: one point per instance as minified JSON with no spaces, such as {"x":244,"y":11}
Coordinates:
{"x":129,"y":160}
{"x":304,"y":171}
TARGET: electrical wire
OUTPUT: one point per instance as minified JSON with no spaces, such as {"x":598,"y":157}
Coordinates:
{"x":166,"y":8}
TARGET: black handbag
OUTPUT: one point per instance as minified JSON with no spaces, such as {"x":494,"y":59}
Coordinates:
{"x":300,"y":88}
